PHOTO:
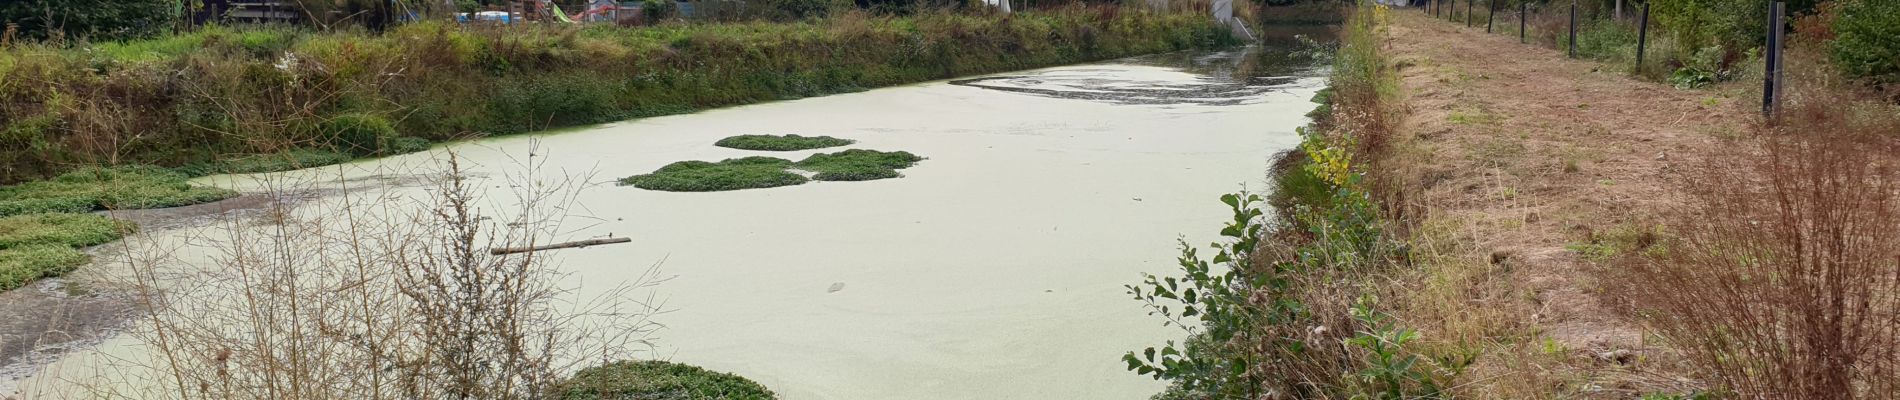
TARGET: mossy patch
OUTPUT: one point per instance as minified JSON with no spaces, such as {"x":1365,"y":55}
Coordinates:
{"x":858,"y":164}
{"x":126,"y":187}
{"x":781,"y":143}
{"x":25,"y":264}
{"x":659,"y":380}
{"x":730,"y":174}
{"x":71,"y":230}
{"x":44,"y":245}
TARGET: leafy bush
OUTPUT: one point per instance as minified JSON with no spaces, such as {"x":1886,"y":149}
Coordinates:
{"x":1865,"y":44}
{"x":1728,"y":23}
{"x":25,"y":264}
{"x":781,"y":143}
{"x":858,"y":164}
{"x":126,"y":187}
{"x":656,"y":10}
{"x":93,"y":19}
{"x":659,"y":380}
{"x":71,"y":230}
{"x":730,"y":174}
{"x":1690,"y":78}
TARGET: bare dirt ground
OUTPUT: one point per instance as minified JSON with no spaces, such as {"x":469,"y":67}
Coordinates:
{"x":1539,"y":165}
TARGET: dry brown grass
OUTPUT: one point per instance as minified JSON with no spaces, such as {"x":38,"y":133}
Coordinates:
{"x":1785,"y":280}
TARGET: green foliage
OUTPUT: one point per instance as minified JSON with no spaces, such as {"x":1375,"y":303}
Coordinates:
{"x":126,"y":187}
{"x":1211,"y":304}
{"x":93,"y":19}
{"x":1690,"y":78}
{"x":360,"y":134}
{"x":1391,"y":372}
{"x":858,"y":164}
{"x":781,"y":143}
{"x":1867,"y":40}
{"x":70,"y":230}
{"x":25,"y":264}
{"x":659,"y":380}
{"x":656,"y":10}
{"x":1733,"y":24}
{"x":730,"y":174}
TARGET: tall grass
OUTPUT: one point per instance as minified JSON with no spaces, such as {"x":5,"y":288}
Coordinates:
{"x":222,"y":92}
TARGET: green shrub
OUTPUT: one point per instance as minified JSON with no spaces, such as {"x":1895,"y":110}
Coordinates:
{"x":71,"y":230}
{"x":781,"y":143}
{"x":125,"y":187}
{"x":1867,"y":39}
{"x":1733,"y":24}
{"x":539,"y":102}
{"x":857,"y":164}
{"x":659,"y":380}
{"x":731,"y":174}
{"x":25,"y":264}
{"x":360,"y":134}
{"x":95,"y":19}
{"x":656,"y":10}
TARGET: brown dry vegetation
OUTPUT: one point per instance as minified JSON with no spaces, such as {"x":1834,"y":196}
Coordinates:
{"x":1594,"y":235}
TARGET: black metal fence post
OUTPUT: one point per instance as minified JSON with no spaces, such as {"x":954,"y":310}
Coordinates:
{"x":1523,"y":22}
{"x":1493,"y":5}
{"x":1573,"y":30}
{"x":1772,"y":84}
{"x":1468,"y":4}
{"x":1642,"y":38}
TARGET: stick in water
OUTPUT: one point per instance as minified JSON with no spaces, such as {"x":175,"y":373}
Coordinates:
{"x":582,"y":243}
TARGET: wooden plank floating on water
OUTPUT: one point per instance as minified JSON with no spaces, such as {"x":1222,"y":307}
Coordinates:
{"x":582,"y":243}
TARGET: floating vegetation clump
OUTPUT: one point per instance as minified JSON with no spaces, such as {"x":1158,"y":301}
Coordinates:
{"x":781,"y":143}
{"x":764,"y":172}
{"x":858,"y":165}
{"x":659,"y":380}
{"x":88,"y":189}
{"x":731,"y":174}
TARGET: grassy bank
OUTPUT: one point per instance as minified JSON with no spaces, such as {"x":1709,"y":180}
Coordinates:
{"x":1300,"y":303}
{"x":220,"y":94}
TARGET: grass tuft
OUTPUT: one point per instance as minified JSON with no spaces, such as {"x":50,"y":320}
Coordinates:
{"x":660,"y":380}
{"x":858,"y":164}
{"x":731,"y":174}
{"x":781,"y":143}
